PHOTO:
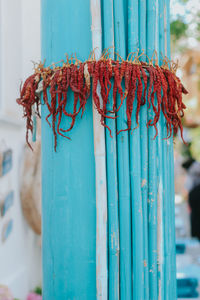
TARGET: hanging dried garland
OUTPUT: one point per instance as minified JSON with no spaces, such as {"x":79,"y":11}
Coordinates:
{"x":143,"y":82}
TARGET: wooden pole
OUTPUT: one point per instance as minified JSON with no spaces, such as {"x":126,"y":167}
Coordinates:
{"x":68,"y":175}
{"x":100,"y":167}
{"x":111,"y":161}
{"x":123,"y":167}
{"x":135,"y":168}
{"x":144,"y":154}
{"x":152,"y":164}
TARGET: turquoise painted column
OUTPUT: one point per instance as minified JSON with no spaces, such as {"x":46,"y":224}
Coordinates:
{"x":140,"y":187}
{"x":68,"y":176}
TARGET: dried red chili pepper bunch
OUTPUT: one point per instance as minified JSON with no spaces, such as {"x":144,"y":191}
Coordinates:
{"x":132,"y":80}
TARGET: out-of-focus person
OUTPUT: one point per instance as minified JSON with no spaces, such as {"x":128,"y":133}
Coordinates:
{"x":193,"y":186}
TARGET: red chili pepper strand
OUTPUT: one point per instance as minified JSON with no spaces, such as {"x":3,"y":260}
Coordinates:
{"x":127,"y":93}
{"x":82,"y":95}
{"x":59,"y":113}
{"x":95,"y":96}
{"x":131,"y":96}
{"x":164,"y":100}
{"x":95,"y":83}
{"x":155,"y":87}
{"x":115,"y":86}
{"x":91,"y":67}
{"x":181,"y":131}
{"x":51,"y":90}
{"x":151,"y":78}
{"x":139,"y":93}
{"x":145,"y":80}
{"x":174,"y":93}
{"x":28,"y":113}
{"x":60,"y":103}
{"x":102,"y":72}
{"x":80,"y":85}
{"x":27,"y":99}
{"x":127,"y":77}
{"x":25,"y":85}
{"x":74,"y":87}
{"x":131,"y":88}
{"x":118,"y":75}
{"x":70,"y":81}
{"x":153,"y":75}
{"x":27,"y":93}
{"x":175,"y":123}
{"x":174,"y":96}
{"x":179,"y":91}
{"x":108,"y":76}
{"x":171,"y":105}
{"x":177,"y":99}
{"x":184,"y":91}
{"x":74,"y":79}
{"x":107,"y":83}
{"x":65,"y":87}
{"x":53,"y":94}
{"x":171,"y":99}
{"x":119,"y":83}
{"x":159,"y":97}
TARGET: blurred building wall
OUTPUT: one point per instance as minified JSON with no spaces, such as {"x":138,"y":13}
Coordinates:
{"x":20,"y":252}
{"x":190,"y":63}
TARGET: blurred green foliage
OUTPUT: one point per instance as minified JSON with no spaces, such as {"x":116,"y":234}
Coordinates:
{"x":178,"y":28}
{"x":185,"y":24}
{"x":38,"y":290}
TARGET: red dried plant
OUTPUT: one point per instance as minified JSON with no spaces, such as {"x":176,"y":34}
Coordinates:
{"x":132,"y":81}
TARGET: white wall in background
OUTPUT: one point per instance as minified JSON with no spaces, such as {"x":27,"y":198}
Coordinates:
{"x":20,"y":254}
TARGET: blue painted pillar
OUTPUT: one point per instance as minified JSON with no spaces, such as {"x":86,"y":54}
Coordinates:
{"x":68,"y":176}
{"x":141,"y":252}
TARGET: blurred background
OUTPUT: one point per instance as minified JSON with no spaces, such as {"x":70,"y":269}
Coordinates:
{"x":185,"y":47}
{"x":20,"y":243}
{"x":20,"y":184}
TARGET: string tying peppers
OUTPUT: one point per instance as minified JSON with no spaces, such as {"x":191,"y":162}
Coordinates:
{"x":133,"y":80}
